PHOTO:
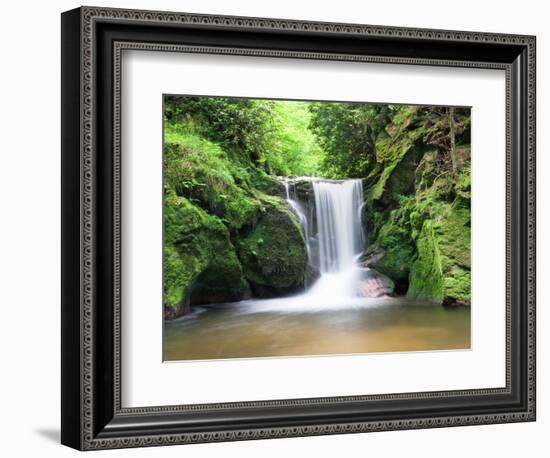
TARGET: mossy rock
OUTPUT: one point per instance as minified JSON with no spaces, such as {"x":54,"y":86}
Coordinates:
{"x":441,"y":271}
{"x":274,"y":255}
{"x":464,"y":180}
{"x":222,"y":280}
{"x":395,"y":248}
{"x":398,"y":150}
{"x":200,"y":261}
{"x":268,"y":184}
{"x":453,"y":234}
{"x":201,"y":171}
{"x":402,"y":180}
{"x":426,"y":279}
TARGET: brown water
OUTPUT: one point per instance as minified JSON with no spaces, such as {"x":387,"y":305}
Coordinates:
{"x":251,"y":329}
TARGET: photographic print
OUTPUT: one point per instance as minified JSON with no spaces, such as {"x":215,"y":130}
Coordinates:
{"x":301,"y":203}
{"x":300,"y":228}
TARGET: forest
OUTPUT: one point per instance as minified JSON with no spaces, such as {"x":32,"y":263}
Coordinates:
{"x":230,"y":233}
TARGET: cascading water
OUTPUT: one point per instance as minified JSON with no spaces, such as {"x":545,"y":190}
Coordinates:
{"x":337,"y":243}
{"x":301,"y":215}
{"x":340,"y":234}
{"x":339,"y":238}
{"x":333,"y":232}
{"x":334,"y":315}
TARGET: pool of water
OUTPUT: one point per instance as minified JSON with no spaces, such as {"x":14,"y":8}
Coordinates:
{"x":279,"y":327}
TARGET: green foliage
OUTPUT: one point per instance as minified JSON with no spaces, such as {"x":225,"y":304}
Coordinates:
{"x":201,"y":171}
{"x":300,"y":153}
{"x":242,"y":126}
{"x":348,"y":132}
{"x":218,"y":156}
{"x":271,"y":135}
{"x":183,"y":259}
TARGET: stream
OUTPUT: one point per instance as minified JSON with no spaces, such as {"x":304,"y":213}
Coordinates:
{"x":272,"y":327}
{"x":333,"y":315}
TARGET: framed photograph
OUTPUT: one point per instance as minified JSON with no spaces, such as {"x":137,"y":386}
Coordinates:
{"x":276,"y":228}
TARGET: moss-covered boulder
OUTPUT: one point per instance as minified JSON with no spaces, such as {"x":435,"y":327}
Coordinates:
{"x":200,"y":262}
{"x":202,"y":172}
{"x":441,"y":271}
{"x":268,"y":184}
{"x":394,"y":249}
{"x":453,"y":235}
{"x":398,"y":150}
{"x":426,"y":279}
{"x":417,"y":205}
{"x":274,"y":254}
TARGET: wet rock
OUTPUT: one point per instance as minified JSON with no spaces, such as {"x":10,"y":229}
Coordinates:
{"x":374,"y":284}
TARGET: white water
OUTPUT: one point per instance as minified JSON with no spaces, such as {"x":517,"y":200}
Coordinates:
{"x":334,"y":237}
{"x":301,"y":215}
{"x":312,"y":323}
{"x":340,"y":238}
{"x":339,"y":243}
{"x":337,"y":206}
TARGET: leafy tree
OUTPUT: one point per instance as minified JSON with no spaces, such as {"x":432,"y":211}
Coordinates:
{"x":298,"y":148}
{"x":447,"y":128}
{"x":348,"y":132}
{"x":273,"y":135}
{"x":243,"y":126}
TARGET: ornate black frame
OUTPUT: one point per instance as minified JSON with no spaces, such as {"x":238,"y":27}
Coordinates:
{"x":92,"y":42}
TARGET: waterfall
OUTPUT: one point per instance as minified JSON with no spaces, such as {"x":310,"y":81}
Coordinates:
{"x":329,"y":212}
{"x":301,"y":214}
{"x":336,"y":243}
{"x":340,"y":233}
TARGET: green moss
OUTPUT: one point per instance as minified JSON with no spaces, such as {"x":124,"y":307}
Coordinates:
{"x":396,"y":247}
{"x":391,"y":148}
{"x":457,"y":286}
{"x":426,"y":170}
{"x":201,"y":171}
{"x":376,"y":191}
{"x":402,"y":179}
{"x":441,"y":272}
{"x":197,"y":254}
{"x":463,"y":181}
{"x":453,"y":234}
{"x":416,"y":219}
{"x":273,"y":254}
{"x":426,"y":279}
{"x":227,"y":228}
{"x":418,"y":208}
{"x":176,"y":276}
{"x":213,"y":202}
{"x":223,"y":279}
{"x":268,"y":184}
{"x":397,"y":155}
